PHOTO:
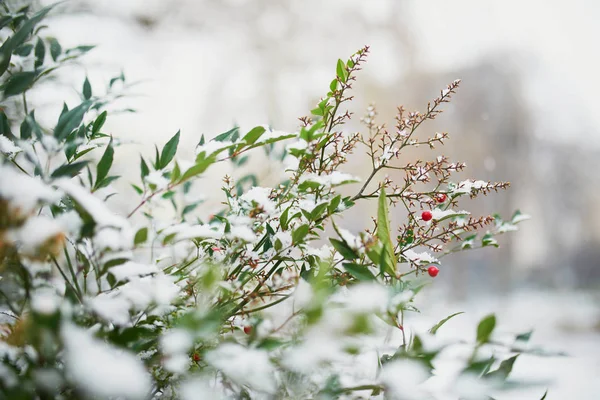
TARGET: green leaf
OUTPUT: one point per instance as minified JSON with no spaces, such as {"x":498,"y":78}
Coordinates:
{"x":40,"y":53}
{"x":138,"y":189}
{"x":168,"y":152}
{"x":55,"y":48}
{"x":333,"y":85}
{"x":437,"y":326}
{"x":18,"y":83}
{"x":227,"y":135}
{"x":141,"y":236}
{"x":87,"y":89}
{"x":29,"y":125}
{"x":388,"y":258}
{"x":69,"y":169}
{"x":341,"y":71}
{"x":524,"y":337}
{"x":5,"y":126}
{"x":176,"y":173}
{"x":503,"y":370}
{"x":360,"y":272}
{"x":334,"y":203}
{"x":23,"y":50}
{"x":105,"y":182}
{"x":80,"y":49}
{"x":300,"y":233}
{"x":254,"y":134}
{"x":544,"y":396}
{"x":485,"y":328}
{"x":342,"y":247}
{"x":105,"y":163}
{"x":19,"y":37}
{"x":283,"y":219}
{"x":99,"y":122}
{"x":488,"y":240}
{"x":201,"y":166}
{"x":144,"y":170}
{"x":70,"y":120}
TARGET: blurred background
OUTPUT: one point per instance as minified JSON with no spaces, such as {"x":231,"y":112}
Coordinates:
{"x":526,"y":112}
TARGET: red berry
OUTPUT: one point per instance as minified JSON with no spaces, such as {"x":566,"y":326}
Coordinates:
{"x":441,"y":197}
{"x":248,"y":329}
{"x":196,"y":357}
{"x":433,"y":271}
{"x":426,"y":215}
{"x":216,"y":249}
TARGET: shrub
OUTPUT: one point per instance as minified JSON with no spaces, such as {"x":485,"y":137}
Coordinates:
{"x":243,"y":303}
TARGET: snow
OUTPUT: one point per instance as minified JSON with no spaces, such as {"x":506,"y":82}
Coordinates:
{"x":212,"y":146}
{"x":403,"y":378}
{"x":8,"y":147}
{"x":176,"y":341}
{"x":336,"y":178}
{"x":260,"y":196}
{"x":130,"y":269}
{"x":366,"y":298}
{"x":102,"y":370}
{"x":45,"y":301}
{"x":98,"y":210}
{"x":157,"y":179}
{"x":197,"y":388}
{"x":245,"y":366}
{"x":440,"y":214}
{"x":23,"y":192}
{"x":137,"y":295}
{"x":243,"y":233}
{"x":36,"y":232}
{"x":184,"y":231}
{"x":418,"y":258}
{"x":467,"y":186}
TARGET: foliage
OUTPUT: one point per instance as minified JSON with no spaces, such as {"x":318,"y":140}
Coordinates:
{"x":240,"y":304}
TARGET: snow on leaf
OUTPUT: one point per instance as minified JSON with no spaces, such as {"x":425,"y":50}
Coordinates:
{"x":244,"y":366}
{"x":102,"y":370}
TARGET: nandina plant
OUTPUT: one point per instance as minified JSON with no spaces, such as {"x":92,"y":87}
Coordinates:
{"x":238,"y":304}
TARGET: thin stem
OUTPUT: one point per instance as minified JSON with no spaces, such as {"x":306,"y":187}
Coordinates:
{"x":78,"y":295}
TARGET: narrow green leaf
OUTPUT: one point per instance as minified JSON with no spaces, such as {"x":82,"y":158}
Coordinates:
{"x":503,"y":370}
{"x":105,"y":182}
{"x":485,"y":328}
{"x":437,"y":326}
{"x":55,"y":48}
{"x":105,"y":163}
{"x":69,"y":169}
{"x":544,"y":396}
{"x":168,"y":152}
{"x":524,"y":337}
{"x":87,"y":89}
{"x":99,"y":122}
{"x":341,"y":71}
{"x":227,"y":135}
{"x":342,"y":247}
{"x":201,"y":166}
{"x":40,"y":53}
{"x":360,"y":272}
{"x":19,"y":37}
{"x":388,"y":258}
{"x":70,"y":120}
{"x":254,"y":134}
{"x":144,"y":170}
{"x":283,"y":219}
{"x":141,"y":236}
{"x":300,"y":233}
{"x":23,"y":50}
{"x":18,"y":83}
